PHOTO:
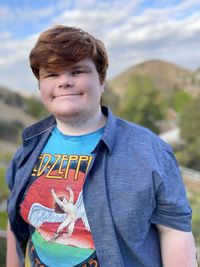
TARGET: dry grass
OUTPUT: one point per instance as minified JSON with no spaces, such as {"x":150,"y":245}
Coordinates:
{"x":10,"y":113}
{"x":7,"y":147}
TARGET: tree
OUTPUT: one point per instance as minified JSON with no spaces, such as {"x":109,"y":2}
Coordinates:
{"x":110,"y":99}
{"x":10,"y":131}
{"x":179,"y":99}
{"x":190,"y":132}
{"x":142,"y":103}
{"x":35,"y":108}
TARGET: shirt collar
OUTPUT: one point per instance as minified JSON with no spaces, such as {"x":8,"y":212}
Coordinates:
{"x":49,"y":123}
{"x":110,"y":128}
{"x":39,"y":128}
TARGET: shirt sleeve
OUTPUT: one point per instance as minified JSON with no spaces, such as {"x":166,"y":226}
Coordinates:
{"x":172,"y":207}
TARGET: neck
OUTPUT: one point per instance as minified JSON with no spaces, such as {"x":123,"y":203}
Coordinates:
{"x":84,"y":126}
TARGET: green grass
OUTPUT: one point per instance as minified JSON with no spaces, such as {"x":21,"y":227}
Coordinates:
{"x":3,"y":221}
{"x":4,"y":192}
{"x":3,"y":252}
{"x":5,"y":157}
{"x":195,"y":204}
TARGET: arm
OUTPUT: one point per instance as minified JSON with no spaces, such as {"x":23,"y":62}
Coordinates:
{"x":57,"y":200}
{"x":12,"y":259}
{"x":177,"y":247}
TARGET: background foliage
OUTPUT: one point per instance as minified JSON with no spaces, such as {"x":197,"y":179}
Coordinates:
{"x":179,"y":99}
{"x":142,"y":103}
{"x":189,"y":155}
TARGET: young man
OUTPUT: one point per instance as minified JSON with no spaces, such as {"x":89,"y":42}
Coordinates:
{"x":88,"y":188}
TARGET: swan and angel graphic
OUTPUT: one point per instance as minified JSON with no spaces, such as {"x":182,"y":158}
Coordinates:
{"x":70,"y":213}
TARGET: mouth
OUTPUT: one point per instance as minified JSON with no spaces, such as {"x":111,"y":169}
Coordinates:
{"x":68,"y":95}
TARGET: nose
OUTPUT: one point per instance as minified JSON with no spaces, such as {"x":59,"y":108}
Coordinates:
{"x":65,"y":81}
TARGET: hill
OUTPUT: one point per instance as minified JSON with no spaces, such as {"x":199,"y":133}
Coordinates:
{"x":165,"y":76}
{"x":17,"y":111}
{"x":15,"y":114}
{"x":12,"y":106}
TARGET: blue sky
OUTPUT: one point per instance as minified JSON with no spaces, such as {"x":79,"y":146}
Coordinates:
{"x":133,"y":31}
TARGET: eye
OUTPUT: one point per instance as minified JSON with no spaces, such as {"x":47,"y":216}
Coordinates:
{"x":51,"y":75}
{"x":76,"y":72}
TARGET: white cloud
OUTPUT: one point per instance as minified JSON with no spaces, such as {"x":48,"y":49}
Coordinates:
{"x":14,"y":50}
{"x":20,"y":15}
{"x":5,"y":14}
{"x":186,"y":5}
{"x":5,"y":35}
{"x":96,"y":16}
{"x":131,"y":34}
{"x":32,"y":14}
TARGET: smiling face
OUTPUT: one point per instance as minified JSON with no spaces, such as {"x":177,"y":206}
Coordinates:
{"x":74,"y":93}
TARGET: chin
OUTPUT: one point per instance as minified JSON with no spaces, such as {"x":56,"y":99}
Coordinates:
{"x":69,"y":114}
{"x":75,"y":116}
{"x":67,"y":111}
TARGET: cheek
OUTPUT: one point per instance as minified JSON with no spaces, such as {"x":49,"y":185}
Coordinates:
{"x":94,"y":88}
{"x":45,"y":89}
{"x":42,"y":95}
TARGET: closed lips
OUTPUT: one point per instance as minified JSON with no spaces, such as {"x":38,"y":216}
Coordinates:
{"x":67,"y":95}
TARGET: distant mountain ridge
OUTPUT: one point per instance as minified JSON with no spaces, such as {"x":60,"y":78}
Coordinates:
{"x":12,"y":107}
{"x":165,"y":76}
{"x":15,"y":114}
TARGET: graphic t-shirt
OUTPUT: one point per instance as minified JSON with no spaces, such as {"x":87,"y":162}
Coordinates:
{"x":53,"y":203}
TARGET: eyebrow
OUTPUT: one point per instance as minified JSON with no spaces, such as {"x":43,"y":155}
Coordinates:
{"x":45,"y":71}
{"x":76,"y":66}
{"x":72,"y":67}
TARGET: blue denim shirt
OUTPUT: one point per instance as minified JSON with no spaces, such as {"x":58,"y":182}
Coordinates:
{"x":132,"y":184}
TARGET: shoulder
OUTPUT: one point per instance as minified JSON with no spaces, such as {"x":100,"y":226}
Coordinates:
{"x":39,"y":128}
{"x":139,"y":136}
{"x":144,"y":147}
